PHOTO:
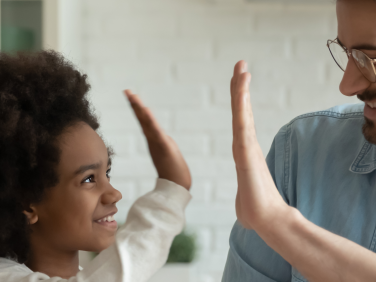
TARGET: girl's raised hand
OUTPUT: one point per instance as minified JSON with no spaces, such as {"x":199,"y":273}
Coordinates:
{"x":166,"y":155}
{"x":258,"y":200}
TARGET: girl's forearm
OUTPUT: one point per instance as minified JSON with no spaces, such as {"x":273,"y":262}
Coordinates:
{"x":316,"y":253}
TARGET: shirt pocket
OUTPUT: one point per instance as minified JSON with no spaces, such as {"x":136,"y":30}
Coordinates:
{"x":297,"y":277}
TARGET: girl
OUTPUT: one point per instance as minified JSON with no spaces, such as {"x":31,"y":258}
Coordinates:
{"x":55,"y":191}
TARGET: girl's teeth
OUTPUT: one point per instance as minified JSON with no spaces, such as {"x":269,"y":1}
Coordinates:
{"x":109,"y":218}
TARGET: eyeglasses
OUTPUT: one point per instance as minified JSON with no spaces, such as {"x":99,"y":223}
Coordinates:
{"x":341,"y":56}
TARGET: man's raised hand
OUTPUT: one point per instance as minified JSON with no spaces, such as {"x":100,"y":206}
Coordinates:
{"x":243,"y":129}
{"x":258,"y":201}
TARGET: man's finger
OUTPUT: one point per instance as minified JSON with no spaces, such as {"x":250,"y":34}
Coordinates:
{"x":240,"y":67}
{"x":240,"y":103}
{"x":240,"y":97}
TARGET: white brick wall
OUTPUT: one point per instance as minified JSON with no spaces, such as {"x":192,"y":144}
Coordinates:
{"x":179,"y":55}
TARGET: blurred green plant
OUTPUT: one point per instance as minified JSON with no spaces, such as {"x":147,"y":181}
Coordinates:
{"x":15,"y":39}
{"x":183,"y":248}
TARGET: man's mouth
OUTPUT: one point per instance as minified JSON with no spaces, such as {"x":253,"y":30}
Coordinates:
{"x":372,"y":104}
{"x":370,"y":110}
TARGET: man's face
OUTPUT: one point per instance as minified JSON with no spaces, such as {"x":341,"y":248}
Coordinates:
{"x":357,"y":30}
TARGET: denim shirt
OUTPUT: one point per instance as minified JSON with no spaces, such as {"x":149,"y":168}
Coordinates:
{"x":323,"y":166}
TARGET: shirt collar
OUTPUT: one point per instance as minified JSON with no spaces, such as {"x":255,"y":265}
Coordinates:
{"x":365,"y":162}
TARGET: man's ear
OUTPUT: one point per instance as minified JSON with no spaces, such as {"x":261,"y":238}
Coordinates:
{"x":31,"y":214}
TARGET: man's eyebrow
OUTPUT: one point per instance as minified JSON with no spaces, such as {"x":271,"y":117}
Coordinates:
{"x":361,"y":46}
{"x":365,"y":47}
{"x":340,"y":43}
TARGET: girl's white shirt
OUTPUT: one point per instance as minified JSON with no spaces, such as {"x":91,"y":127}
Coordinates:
{"x":142,"y":243}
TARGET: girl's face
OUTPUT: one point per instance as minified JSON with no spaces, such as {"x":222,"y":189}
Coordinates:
{"x":71,"y":215}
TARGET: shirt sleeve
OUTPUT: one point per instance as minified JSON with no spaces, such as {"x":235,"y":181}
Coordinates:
{"x":142,"y":244}
{"x":249,"y":257}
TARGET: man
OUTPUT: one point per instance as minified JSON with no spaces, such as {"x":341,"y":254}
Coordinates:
{"x":323,"y":165}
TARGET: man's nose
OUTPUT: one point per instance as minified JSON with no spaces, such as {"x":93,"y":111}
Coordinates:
{"x":353,"y":81}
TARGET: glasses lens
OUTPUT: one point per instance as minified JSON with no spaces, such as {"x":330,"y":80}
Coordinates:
{"x":339,"y":55}
{"x":365,"y":65}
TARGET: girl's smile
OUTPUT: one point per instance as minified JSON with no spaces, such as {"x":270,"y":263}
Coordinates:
{"x":107,"y":221}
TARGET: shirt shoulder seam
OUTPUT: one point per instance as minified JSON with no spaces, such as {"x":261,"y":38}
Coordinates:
{"x":329,"y":114}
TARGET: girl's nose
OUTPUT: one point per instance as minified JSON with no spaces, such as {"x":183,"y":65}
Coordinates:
{"x":111,"y":196}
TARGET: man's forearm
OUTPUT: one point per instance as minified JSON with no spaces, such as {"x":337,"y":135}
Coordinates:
{"x":316,"y":253}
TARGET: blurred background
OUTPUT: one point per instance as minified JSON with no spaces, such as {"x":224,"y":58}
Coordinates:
{"x":179,"y":56}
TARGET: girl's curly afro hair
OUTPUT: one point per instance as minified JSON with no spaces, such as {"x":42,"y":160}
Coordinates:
{"x":41,"y":94}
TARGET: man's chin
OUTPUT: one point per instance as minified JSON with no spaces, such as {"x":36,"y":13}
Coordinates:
{"x":369,"y":130}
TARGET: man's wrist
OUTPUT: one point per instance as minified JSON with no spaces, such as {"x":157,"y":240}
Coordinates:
{"x":284,"y":219}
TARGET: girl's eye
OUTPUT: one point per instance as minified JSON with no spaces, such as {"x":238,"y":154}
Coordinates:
{"x":89,"y":179}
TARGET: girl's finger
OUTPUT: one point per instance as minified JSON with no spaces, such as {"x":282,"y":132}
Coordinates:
{"x":133,"y":98}
{"x":148,"y":122}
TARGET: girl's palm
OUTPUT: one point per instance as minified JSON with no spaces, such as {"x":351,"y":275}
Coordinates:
{"x":164,"y":152}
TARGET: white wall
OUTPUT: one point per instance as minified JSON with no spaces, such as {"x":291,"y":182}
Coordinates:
{"x":179,"y":55}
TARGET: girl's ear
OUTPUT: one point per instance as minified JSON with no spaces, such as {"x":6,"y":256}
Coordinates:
{"x":31,"y":214}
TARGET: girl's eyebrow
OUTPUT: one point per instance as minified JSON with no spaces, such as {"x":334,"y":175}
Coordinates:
{"x":84,"y":168}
